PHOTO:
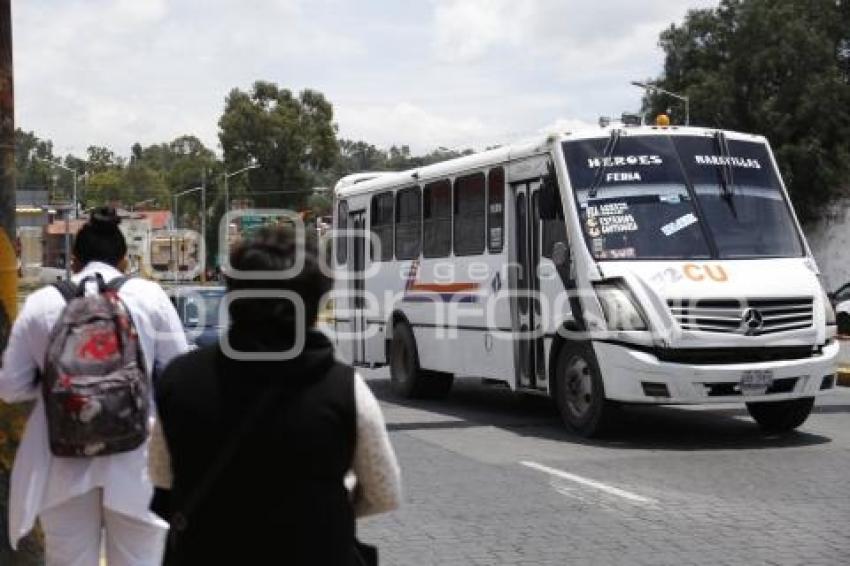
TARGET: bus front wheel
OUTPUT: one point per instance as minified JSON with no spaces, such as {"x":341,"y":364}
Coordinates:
{"x":781,"y":416}
{"x":579,"y":391}
{"x":407,"y":377}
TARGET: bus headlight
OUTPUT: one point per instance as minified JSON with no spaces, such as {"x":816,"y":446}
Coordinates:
{"x":619,"y":307}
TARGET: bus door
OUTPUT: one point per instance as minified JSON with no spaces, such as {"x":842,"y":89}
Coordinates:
{"x":526,"y":316}
{"x":357,"y":284}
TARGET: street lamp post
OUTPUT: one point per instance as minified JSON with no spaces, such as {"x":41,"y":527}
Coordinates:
{"x":683,"y":98}
{"x":203,"y":189}
{"x":226,"y":190}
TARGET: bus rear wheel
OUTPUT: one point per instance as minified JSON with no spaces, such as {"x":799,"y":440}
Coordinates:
{"x":781,"y":416}
{"x":580,"y":393}
{"x":407,"y":377}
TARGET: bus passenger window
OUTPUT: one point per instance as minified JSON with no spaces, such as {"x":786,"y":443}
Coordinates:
{"x":408,"y":227}
{"x":469,"y":215}
{"x":382,"y":224}
{"x":495,"y":210}
{"x":342,"y":226}
{"x":437,"y":219}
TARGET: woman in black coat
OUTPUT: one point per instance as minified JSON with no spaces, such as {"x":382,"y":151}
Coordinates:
{"x":267,"y":447}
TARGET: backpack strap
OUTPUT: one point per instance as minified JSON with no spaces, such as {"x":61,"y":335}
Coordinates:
{"x":117,"y":282}
{"x":66,"y":288}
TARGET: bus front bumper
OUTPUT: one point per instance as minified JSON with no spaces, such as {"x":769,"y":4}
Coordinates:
{"x":637,"y":376}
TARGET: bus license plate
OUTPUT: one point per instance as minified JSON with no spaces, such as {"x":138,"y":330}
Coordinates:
{"x":756,"y":381}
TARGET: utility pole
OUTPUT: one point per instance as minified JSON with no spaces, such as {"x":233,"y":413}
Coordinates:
{"x":8,"y":257}
{"x":30,"y":553}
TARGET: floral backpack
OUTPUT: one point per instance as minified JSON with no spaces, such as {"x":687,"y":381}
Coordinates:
{"x":96,"y":391}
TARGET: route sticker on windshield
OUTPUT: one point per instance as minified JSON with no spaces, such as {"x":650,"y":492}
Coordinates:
{"x":679,"y":224}
{"x":609,"y":218}
{"x":607,"y":209}
{"x":592,"y":224}
{"x":618,"y":224}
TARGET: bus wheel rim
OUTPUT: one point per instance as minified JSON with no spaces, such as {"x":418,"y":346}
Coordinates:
{"x":578,"y":390}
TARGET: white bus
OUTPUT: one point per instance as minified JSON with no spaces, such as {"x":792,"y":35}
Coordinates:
{"x":659,"y":265}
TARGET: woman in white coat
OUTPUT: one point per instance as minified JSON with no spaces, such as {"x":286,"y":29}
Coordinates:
{"x":78,"y":500}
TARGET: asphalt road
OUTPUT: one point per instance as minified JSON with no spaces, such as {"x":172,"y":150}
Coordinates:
{"x":492,"y":478}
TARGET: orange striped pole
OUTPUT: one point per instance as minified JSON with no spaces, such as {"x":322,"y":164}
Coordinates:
{"x":11,"y":418}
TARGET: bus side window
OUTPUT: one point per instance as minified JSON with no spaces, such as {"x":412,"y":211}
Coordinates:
{"x":408,"y":227}
{"x":382,"y":224}
{"x":437,"y":219}
{"x":342,"y":226}
{"x":470,"y":215}
{"x":495,"y":210}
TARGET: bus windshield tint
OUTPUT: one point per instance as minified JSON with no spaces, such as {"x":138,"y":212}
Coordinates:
{"x":668,"y":197}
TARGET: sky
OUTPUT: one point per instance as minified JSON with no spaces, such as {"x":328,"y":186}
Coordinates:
{"x":424,"y":73}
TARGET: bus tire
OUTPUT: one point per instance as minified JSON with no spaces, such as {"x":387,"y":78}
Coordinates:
{"x":580,"y":393}
{"x":781,"y":416}
{"x":408,"y":379}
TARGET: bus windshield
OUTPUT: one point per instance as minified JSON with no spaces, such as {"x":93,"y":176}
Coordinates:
{"x":677,"y":197}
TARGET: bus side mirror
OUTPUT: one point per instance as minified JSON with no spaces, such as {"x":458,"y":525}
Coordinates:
{"x":549,"y":196}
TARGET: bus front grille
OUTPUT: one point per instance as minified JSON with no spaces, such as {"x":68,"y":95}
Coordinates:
{"x":750,"y":317}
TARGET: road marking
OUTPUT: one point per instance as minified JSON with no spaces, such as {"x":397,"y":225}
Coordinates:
{"x":589,"y":483}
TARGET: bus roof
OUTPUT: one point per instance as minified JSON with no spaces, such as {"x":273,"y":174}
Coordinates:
{"x":366,"y":182}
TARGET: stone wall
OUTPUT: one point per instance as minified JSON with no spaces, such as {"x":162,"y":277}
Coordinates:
{"x":830,"y":242}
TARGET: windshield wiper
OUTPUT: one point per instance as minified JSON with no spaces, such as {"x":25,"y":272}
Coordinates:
{"x":610,"y":147}
{"x":727,"y":180}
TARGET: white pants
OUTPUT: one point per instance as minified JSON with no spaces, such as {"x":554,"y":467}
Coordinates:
{"x":73,"y":530}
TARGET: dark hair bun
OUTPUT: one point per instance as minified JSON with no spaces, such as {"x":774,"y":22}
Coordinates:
{"x":104,"y":220}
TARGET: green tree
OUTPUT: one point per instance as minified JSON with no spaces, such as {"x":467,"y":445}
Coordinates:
{"x":144,"y":184}
{"x":107,"y":187}
{"x":31,"y":154}
{"x":320,"y":204}
{"x":780,"y":68}
{"x":292,"y":138}
{"x":191,"y":163}
{"x":359,"y":156}
{"x":100,"y":158}
{"x":185,"y":163}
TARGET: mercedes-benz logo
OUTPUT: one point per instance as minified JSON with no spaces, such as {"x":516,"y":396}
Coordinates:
{"x":752,"y":321}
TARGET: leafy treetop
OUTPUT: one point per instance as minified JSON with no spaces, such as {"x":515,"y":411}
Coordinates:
{"x":780,"y":68}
